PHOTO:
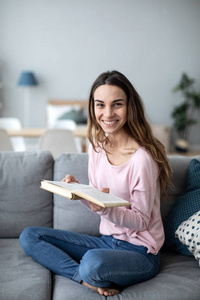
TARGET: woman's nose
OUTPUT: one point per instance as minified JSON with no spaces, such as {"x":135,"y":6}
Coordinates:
{"x":108,"y":111}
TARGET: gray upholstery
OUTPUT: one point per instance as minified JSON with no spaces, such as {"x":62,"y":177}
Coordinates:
{"x":65,"y":288}
{"x":21,"y":278}
{"x":71,"y":215}
{"x":23,"y":203}
{"x":174,"y":281}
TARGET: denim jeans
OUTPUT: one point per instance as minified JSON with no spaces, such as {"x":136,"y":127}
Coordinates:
{"x":99,"y":261}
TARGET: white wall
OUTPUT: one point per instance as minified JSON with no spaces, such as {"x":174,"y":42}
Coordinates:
{"x":68,"y":43}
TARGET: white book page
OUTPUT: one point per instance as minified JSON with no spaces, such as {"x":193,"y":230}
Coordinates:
{"x":89,"y":190}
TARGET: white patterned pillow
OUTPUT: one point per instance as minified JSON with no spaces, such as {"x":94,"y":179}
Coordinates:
{"x":188,"y":234}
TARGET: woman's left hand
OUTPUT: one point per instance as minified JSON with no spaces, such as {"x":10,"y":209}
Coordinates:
{"x":95,"y":207}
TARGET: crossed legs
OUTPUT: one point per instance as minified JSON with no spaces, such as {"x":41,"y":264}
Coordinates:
{"x":92,"y":261}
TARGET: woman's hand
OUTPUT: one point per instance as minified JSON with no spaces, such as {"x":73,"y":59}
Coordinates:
{"x":69,"y":178}
{"x":95,"y":207}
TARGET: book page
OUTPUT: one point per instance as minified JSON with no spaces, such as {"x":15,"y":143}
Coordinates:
{"x":89,"y":192}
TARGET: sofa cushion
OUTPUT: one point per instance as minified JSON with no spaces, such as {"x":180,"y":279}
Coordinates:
{"x":178,"y":279}
{"x":22,"y":202}
{"x":187,"y":204}
{"x":179,"y":165}
{"x":66,"y":289}
{"x":71,"y":215}
{"x":21,"y":277}
{"x":189,"y":234}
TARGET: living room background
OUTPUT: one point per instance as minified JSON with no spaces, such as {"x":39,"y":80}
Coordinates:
{"x":68,"y":43}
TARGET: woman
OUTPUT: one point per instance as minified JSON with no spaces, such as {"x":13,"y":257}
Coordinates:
{"x":126,"y":160}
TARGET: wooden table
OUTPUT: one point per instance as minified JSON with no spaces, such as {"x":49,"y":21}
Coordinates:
{"x":38,"y":132}
{"x":27,"y":132}
{"x":80,"y":131}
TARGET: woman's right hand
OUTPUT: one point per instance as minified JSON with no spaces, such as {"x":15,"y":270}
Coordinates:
{"x":69,"y":178}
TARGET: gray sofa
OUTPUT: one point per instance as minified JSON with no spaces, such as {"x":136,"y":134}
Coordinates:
{"x":23,"y":203}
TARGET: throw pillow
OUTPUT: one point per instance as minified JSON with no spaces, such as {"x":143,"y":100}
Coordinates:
{"x":75,"y":115}
{"x":185,"y":206}
{"x":188,"y":234}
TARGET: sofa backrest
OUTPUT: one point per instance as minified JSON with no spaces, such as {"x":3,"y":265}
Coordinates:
{"x":22,"y":202}
{"x":70,"y":215}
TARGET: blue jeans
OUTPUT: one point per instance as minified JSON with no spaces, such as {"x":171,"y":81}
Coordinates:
{"x":99,"y":261}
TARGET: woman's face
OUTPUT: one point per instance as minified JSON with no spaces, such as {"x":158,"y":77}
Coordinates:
{"x":110,"y":107}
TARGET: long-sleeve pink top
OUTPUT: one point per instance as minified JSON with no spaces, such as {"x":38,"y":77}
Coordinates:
{"x":136,"y":181}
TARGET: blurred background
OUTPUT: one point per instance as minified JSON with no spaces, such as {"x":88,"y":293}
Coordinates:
{"x":68,"y":43}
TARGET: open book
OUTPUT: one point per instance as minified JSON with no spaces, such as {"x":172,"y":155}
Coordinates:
{"x":75,"y":191}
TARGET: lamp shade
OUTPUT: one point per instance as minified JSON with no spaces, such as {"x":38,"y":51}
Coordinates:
{"x":27,"y":78}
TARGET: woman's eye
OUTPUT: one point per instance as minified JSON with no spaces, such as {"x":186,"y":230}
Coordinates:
{"x":118,"y":104}
{"x":99,"y":105}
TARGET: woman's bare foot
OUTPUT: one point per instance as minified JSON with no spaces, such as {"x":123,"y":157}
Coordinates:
{"x":107,"y":291}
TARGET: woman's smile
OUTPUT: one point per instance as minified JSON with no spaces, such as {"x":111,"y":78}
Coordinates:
{"x":110,"y":123}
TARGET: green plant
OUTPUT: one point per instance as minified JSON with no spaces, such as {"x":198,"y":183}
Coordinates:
{"x":183,"y":114}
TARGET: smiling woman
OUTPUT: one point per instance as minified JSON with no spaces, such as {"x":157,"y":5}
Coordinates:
{"x":118,"y":139}
{"x":127,"y":161}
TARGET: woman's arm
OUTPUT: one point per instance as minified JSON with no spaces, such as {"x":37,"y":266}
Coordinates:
{"x":135,"y":217}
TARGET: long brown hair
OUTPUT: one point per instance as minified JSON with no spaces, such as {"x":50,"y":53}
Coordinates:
{"x":136,"y":125}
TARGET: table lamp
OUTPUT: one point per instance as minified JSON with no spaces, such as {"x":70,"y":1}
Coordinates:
{"x":27,"y":80}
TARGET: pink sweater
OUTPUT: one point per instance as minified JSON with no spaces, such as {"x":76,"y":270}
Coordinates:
{"x":137,"y":182}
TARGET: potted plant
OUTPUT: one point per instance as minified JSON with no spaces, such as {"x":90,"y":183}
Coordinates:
{"x":183,"y":114}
